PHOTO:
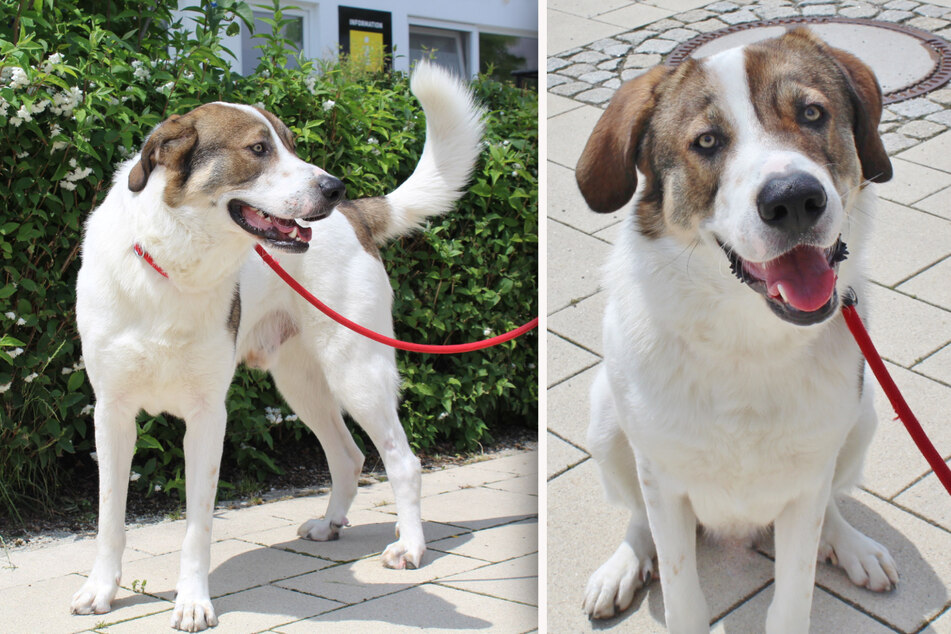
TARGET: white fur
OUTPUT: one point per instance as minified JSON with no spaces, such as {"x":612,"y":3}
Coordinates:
{"x":709,"y":408}
{"x":162,"y":344}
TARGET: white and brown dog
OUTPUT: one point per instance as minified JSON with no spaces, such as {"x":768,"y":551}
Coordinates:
{"x":206,"y":187}
{"x":735,"y":403}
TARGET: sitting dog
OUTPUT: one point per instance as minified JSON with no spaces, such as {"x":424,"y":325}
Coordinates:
{"x":731,"y":393}
{"x":163,"y":332}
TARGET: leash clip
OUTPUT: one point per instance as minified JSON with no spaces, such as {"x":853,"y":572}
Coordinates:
{"x":849,"y":298}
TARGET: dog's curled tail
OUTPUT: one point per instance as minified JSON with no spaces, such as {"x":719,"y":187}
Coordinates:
{"x":453,"y":143}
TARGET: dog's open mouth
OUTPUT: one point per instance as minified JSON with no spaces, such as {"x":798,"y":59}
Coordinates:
{"x":799,"y":286}
{"x":283,"y":233}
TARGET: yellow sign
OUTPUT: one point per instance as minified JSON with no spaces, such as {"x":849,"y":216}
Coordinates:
{"x":367,"y":46}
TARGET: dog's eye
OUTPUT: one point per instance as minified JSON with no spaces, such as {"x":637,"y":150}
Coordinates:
{"x":707,"y":143}
{"x":259,"y":148}
{"x":812,"y":114}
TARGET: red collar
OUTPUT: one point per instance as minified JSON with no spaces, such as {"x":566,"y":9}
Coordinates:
{"x":142,"y":253}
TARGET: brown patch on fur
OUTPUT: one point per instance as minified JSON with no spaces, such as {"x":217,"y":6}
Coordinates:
{"x":268,"y":335}
{"x":212,"y":136}
{"x":684,"y":183}
{"x":606,"y":171}
{"x":234,"y":315}
{"x":369,"y":218}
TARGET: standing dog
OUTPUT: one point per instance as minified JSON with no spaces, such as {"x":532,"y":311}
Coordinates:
{"x":735,"y":403}
{"x":206,"y":187}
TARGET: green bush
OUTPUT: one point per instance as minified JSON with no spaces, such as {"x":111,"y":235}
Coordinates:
{"x":82,"y":83}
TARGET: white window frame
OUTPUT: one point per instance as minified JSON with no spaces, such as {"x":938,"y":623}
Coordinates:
{"x":468,"y":34}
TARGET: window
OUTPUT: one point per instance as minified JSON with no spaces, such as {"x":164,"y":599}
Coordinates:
{"x":251,"y":54}
{"x":511,"y":57}
{"x":445,"y":47}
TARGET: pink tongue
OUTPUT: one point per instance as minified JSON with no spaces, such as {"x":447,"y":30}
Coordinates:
{"x":804,"y":273}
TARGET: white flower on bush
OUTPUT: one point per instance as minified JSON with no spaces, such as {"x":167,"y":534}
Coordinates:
{"x":30,"y":378}
{"x":11,"y":315}
{"x":167,"y":88}
{"x":273,"y":415}
{"x":135,"y":475}
{"x":86,"y":411}
{"x":23,"y":114}
{"x":328,"y":105}
{"x":55,"y":130}
{"x":290,"y":418}
{"x":311,"y":82}
{"x":374,"y":142}
{"x":77,"y":174}
{"x":18,"y":78}
{"x":139,"y":71}
{"x":52,"y":60}
{"x":4,"y":106}
{"x":65,"y":102}
{"x":23,"y":155}
{"x":444,"y":415}
{"x":15,"y":353}
{"x":4,"y":388}
{"x":67,"y":185}
{"x":94,"y":456}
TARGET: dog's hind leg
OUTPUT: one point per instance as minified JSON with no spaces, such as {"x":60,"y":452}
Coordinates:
{"x":115,"y":444}
{"x":365,"y":381}
{"x":865,"y":561}
{"x":611,"y":588}
{"x":204,"y":439}
{"x":302,"y":383}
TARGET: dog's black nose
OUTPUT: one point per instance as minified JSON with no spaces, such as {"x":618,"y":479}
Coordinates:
{"x":332,"y":189}
{"x":792,"y":203}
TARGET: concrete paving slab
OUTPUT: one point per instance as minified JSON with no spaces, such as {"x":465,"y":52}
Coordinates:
{"x":828,"y":612}
{"x":679,"y":6}
{"x":369,"y":533}
{"x":524,"y":484}
{"x":21,"y":613}
{"x":634,"y":15}
{"x":558,"y":105}
{"x":929,"y":500}
{"x":478,"y":508}
{"x":893,"y":462}
{"x":361,"y":580}
{"x":938,"y":203}
{"x":568,"y":403}
{"x":580,"y":322}
{"x":905,"y":330}
{"x":568,"y":133}
{"x":512,"y":580}
{"x":566,"y":359}
{"x":431,"y":607}
{"x":562,"y":456}
{"x":937,"y":366}
{"x":522,"y":463}
{"x":254,"y":610}
{"x":586,"y":8}
{"x":935,"y":153}
{"x":235,"y":566}
{"x":234,"y":522}
{"x":566,"y":31}
{"x":934,"y":284}
{"x":494,"y":545}
{"x":574,"y":264}
{"x":916,"y":181}
{"x":612,"y":233}
{"x":904,"y":242}
{"x":567,"y":206}
{"x":22,"y":566}
{"x":941,"y":625}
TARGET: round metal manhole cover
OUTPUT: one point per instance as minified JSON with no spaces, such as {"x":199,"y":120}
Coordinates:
{"x":908,"y":62}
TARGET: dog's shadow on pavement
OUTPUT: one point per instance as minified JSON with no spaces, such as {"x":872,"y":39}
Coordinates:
{"x":920,"y":596}
{"x":347,"y":580}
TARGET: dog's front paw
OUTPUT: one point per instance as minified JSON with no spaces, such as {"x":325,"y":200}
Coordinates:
{"x":867,"y":563}
{"x":193,"y":613}
{"x":322,"y":530}
{"x":402,"y":554}
{"x":96,"y":595}
{"x":612,"y":586}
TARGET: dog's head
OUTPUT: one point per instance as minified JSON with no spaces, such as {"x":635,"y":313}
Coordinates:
{"x":759,"y":151}
{"x":238,"y":161}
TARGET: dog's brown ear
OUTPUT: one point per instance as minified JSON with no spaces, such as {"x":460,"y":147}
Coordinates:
{"x":606,"y":172}
{"x":866,"y":98}
{"x":168,"y":145}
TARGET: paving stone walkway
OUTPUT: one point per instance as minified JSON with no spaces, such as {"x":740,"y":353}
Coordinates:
{"x":480,"y":572}
{"x":595,"y":45}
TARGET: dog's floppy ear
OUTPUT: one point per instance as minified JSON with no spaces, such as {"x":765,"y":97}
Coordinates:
{"x":168,"y":145}
{"x":866,"y":98}
{"x":606,"y":172}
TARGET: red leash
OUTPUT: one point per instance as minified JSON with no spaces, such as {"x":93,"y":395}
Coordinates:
{"x":395,"y":343}
{"x":898,"y":402}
